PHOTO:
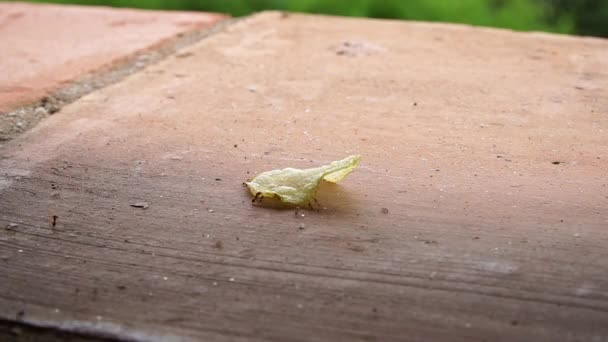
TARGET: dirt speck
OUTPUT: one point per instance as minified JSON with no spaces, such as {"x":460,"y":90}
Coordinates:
{"x":356,"y":248}
{"x":384,"y":210}
{"x":557,"y":162}
{"x":218,"y":244}
{"x":141,"y":205}
{"x":184,"y":55}
{"x":356,"y":49}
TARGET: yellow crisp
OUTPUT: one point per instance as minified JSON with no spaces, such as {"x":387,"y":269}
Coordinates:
{"x":299,"y":187}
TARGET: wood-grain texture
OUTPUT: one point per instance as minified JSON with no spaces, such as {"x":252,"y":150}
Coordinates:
{"x":479,"y":212}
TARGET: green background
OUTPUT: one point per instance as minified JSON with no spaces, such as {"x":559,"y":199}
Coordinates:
{"x":582,"y":17}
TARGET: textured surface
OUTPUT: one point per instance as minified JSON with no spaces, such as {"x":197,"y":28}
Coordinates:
{"x":45,"y":47}
{"x":490,"y":148}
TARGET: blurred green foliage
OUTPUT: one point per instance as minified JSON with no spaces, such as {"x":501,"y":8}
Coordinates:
{"x":587,"y":17}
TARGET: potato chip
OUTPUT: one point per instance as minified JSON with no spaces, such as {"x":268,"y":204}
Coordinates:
{"x":297,"y":187}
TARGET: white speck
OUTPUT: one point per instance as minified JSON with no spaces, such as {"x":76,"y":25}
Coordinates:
{"x":215,"y":283}
{"x":302,"y":215}
{"x":165,"y":278}
{"x":99,"y":318}
{"x":300,"y":306}
{"x":584,"y":290}
{"x":432,"y":275}
{"x":207,"y":235}
{"x":211,"y":210}
{"x":20,"y":251}
{"x":576,"y":235}
{"x":231,"y":279}
{"x":499,"y":267}
{"x":57,"y":311}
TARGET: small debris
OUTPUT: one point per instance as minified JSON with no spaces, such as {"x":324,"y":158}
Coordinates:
{"x":301,"y":226}
{"x":231,"y":279}
{"x":121,"y":287}
{"x":475,"y":237}
{"x":415,"y":104}
{"x":142,"y":205}
{"x":211,"y":210}
{"x":355,"y":49}
{"x":184,"y":54}
{"x":218,"y":244}
{"x":218,"y":179}
{"x":55,"y":217}
{"x":384,"y":210}
{"x":356,"y":248}
{"x":11,"y":226}
{"x":556,"y":162}
{"x":235,"y":145}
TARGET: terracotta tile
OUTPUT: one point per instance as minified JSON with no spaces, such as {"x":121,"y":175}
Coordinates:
{"x":47,"y":46}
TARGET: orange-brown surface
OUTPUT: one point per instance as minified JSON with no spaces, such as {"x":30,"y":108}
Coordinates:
{"x":478,"y":212}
